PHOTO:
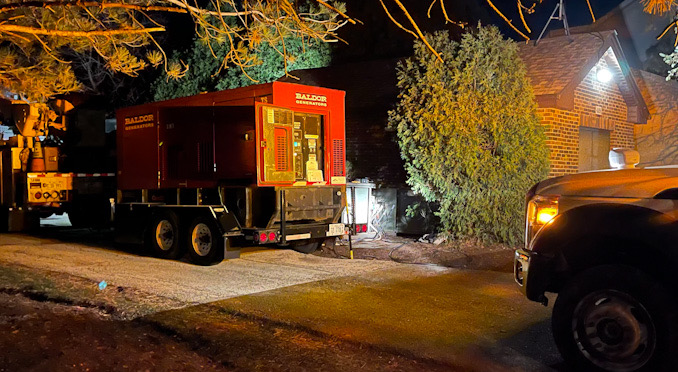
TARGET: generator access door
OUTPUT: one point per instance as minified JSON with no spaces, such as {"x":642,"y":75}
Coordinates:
{"x":290,"y":147}
{"x":276,"y":150}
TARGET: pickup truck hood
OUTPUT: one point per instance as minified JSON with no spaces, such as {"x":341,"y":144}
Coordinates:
{"x":622,"y":183}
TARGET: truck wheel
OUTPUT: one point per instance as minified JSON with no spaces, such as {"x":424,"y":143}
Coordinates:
{"x":205,"y":242}
{"x":163,"y":236}
{"x":306,"y":246}
{"x":616,"y":318}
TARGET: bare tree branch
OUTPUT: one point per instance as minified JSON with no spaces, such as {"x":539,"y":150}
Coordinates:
{"x":67,"y":33}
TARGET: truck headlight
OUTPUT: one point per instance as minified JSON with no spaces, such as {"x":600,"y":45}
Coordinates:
{"x":540,"y":211}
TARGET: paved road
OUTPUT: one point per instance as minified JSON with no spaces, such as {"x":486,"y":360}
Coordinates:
{"x":472,"y":319}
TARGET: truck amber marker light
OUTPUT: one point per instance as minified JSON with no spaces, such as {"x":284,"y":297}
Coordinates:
{"x":541,"y":210}
{"x":546,"y":214}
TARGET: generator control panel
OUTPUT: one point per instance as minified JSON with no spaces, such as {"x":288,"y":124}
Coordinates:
{"x":308,"y":147}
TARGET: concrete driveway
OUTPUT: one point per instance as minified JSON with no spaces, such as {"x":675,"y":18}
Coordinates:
{"x":256,"y":270}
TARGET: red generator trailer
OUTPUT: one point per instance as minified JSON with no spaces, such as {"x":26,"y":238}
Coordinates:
{"x":202,"y":175}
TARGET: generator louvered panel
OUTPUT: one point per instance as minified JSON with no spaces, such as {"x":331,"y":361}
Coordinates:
{"x":205,"y":157}
{"x":338,"y":158}
{"x":281,"y":153}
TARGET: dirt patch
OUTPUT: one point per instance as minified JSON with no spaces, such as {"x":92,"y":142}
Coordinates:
{"x":45,"y":336}
{"x":121,"y":303}
{"x":467,"y":254}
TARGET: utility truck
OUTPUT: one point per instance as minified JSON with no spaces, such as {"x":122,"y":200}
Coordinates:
{"x":206,"y":174}
{"x":606,"y":242}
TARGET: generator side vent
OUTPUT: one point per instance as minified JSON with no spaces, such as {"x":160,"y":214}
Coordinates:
{"x":205,"y":157}
{"x":172,"y":163}
{"x":338,"y":158}
{"x":281,"y":153}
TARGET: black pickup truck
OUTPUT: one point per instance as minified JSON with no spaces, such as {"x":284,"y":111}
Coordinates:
{"x":607,"y":243}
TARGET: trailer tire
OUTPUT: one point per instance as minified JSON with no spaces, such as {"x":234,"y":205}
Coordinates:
{"x":306,"y":246}
{"x":164,"y":237}
{"x":205,"y":242}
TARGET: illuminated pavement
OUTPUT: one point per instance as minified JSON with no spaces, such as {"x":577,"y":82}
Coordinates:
{"x":474,"y":320}
{"x":255,"y":271}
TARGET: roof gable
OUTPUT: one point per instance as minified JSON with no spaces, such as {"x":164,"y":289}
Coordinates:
{"x":556,"y":66}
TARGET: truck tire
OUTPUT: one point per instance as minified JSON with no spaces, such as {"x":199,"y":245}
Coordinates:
{"x":306,"y":246}
{"x":616,"y":318}
{"x":205,"y":242}
{"x":163,"y":236}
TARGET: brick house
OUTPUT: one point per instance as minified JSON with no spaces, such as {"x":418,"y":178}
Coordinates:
{"x":657,"y":142}
{"x":584,"y":116}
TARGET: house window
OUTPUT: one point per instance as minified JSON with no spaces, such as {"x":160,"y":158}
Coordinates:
{"x":594,"y":149}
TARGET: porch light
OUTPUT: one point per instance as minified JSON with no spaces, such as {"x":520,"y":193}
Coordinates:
{"x":603,"y":75}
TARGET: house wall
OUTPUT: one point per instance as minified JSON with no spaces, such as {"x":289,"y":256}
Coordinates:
{"x":657,"y":141}
{"x":562,"y":130}
{"x":562,"y":126}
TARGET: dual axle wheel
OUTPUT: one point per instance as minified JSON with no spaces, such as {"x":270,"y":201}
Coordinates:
{"x":201,"y":239}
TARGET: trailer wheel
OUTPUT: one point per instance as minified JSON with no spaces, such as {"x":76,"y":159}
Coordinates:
{"x":163,"y":236}
{"x":306,"y":246}
{"x":205,"y":242}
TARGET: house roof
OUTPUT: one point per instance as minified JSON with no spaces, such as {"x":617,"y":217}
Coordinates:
{"x":660,"y":95}
{"x":657,"y":141}
{"x":557,"y":65}
{"x":556,"y":62}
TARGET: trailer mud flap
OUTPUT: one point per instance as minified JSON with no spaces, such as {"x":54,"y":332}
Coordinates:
{"x":227,"y":220}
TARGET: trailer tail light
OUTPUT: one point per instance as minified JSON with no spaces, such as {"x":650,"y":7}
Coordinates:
{"x":360,"y":229}
{"x":263,"y":237}
{"x":271,"y":237}
{"x":38,"y":195}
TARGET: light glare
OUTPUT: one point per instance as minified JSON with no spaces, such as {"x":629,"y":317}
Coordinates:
{"x":603,"y":75}
{"x":546,"y":214}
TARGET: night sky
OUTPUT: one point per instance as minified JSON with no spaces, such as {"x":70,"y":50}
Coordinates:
{"x":379,"y":38}
{"x":577,"y":12}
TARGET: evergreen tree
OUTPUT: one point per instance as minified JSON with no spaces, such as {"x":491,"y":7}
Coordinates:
{"x":206,"y":72}
{"x":469,"y":133}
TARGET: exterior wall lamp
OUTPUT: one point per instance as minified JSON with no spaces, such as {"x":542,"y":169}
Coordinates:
{"x":603,"y":75}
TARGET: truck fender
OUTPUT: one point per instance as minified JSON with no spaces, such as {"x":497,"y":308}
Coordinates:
{"x":599,"y":234}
